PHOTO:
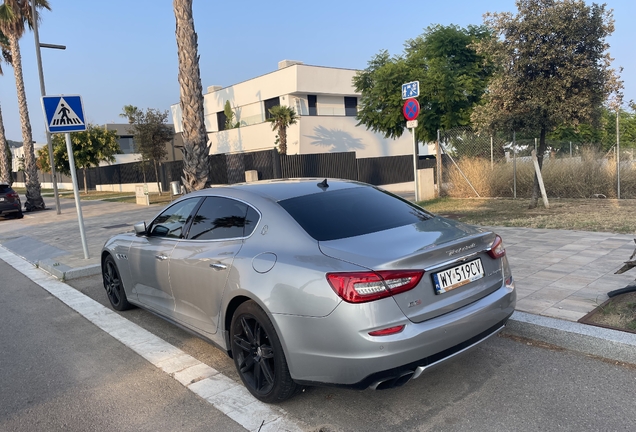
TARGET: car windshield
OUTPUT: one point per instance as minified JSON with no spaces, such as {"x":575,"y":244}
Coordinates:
{"x":332,"y":215}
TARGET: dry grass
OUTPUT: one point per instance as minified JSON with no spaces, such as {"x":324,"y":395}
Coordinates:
{"x":580,"y":177}
{"x":606,"y":215}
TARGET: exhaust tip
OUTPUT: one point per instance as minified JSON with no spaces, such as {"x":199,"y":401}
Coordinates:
{"x":392,"y":382}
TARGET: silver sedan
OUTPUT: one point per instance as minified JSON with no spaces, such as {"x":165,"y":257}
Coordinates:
{"x":309,"y":282}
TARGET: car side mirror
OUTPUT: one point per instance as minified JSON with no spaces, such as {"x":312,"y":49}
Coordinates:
{"x":140,"y":229}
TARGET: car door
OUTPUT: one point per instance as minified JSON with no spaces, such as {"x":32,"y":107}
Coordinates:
{"x":201,"y":263}
{"x":149,"y":256}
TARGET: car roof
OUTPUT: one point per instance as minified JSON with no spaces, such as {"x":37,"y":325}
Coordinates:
{"x":283,"y":189}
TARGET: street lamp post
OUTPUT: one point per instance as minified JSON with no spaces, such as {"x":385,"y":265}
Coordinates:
{"x":49,"y":143}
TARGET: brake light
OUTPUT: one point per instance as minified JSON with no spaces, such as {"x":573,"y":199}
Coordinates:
{"x":13,"y":195}
{"x":497,"y":249}
{"x":361,"y":287}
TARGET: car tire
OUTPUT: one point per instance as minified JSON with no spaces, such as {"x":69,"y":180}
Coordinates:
{"x":114,"y":285}
{"x":19,"y":215}
{"x":258,"y":355}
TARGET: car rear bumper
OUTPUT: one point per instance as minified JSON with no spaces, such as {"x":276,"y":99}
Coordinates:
{"x":337,"y":350}
{"x":9,"y":209}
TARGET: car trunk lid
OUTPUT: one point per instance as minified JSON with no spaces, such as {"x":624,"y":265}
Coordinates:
{"x":439,"y":247}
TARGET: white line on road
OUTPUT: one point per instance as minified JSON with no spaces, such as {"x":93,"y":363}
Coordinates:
{"x":226,"y":395}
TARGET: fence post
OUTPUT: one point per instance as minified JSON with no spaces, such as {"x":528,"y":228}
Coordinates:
{"x":492,"y":161}
{"x":438,"y":157}
{"x":514,"y":164}
{"x":618,"y":157}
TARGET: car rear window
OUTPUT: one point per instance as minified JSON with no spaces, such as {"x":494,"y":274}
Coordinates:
{"x":332,"y":215}
{"x":5,"y":189}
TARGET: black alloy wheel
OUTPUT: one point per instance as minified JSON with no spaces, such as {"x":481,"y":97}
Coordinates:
{"x":114,"y":286}
{"x":258,"y":355}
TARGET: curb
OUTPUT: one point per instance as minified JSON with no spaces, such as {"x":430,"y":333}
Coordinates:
{"x":583,"y":338}
{"x":64,"y":272}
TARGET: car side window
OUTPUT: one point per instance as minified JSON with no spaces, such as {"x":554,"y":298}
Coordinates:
{"x":173,"y":220}
{"x":220,"y":218}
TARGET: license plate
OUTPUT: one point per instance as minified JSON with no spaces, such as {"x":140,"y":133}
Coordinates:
{"x":458,"y":276}
{"x":1,"y":198}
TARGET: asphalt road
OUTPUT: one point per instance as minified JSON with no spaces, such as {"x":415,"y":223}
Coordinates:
{"x":60,"y":372}
{"x":504,"y":385}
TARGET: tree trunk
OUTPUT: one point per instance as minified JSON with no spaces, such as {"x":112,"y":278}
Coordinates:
{"x":34,"y":199}
{"x":536,"y":191}
{"x":282,"y":135}
{"x":157,"y":177}
{"x":85,"y":182}
{"x":196,"y":168}
{"x":5,"y":167}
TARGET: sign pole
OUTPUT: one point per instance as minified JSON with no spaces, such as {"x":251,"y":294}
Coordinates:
{"x":80,"y":219}
{"x":415,"y":159}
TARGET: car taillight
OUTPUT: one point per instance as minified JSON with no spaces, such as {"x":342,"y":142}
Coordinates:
{"x":360,"y":287}
{"x":497,"y":249}
{"x":13,"y":195}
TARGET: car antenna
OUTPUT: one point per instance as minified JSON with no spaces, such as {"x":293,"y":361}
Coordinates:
{"x":323,"y":184}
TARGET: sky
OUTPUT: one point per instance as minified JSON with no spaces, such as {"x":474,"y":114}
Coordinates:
{"x":124,"y":52}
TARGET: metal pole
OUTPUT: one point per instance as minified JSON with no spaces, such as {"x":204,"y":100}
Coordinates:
{"x":514,"y":164}
{"x":438,"y":158}
{"x":80,"y":219}
{"x":492,"y":161}
{"x":535,"y":144}
{"x":570,"y":148}
{"x":43,"y":93}
{"x":415,"y":158}
{"x":618,"y":157}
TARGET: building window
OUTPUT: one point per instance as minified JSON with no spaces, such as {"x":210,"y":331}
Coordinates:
{"x":126,"y":144}
{"x":311,"y":103}
{"x":351,"y":106}
{"x":270,"y":103}
{"x":221,"y":119}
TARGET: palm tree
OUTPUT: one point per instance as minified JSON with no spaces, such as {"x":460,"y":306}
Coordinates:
{"x":130,"y":112}
{"x":5,"y":166}
{"x":196,"y":168}
{"x":14,"y":14}
{"x":281,"y":118}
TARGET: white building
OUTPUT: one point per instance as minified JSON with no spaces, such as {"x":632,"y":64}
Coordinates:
{"x":324,"y":98}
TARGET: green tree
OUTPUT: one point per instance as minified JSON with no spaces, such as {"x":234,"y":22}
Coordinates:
{"x":196,"y":168}
{"x":129,"y":112}
{"x":90,"y":147}
{"x":150,"y":134}
{"x":601,"y":135}
{"x":452,"y":79}
{"x":14,"y":14}
{"x":553,"y":68}
{"x":5,"y":152}
{"x":281,"y":118}
{"x":229,"y":116}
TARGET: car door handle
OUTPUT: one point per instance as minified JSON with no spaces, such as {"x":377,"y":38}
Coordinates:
{"x":161,"y":257}
{"x":218,"y":266}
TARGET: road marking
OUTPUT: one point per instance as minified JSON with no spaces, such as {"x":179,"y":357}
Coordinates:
{"x":225,"y":394}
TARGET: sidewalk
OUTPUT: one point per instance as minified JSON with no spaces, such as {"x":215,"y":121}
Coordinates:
{"x":53,"y":241}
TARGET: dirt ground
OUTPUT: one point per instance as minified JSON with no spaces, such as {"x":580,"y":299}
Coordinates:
{"x":618,"y":312}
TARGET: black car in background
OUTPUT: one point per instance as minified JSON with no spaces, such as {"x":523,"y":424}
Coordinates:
{"x":9,"y":202}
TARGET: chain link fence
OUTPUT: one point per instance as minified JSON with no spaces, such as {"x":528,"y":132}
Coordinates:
{"x":501,"y":166}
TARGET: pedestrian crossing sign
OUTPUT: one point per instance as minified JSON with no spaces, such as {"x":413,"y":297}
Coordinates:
{"x":64,"y":113}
